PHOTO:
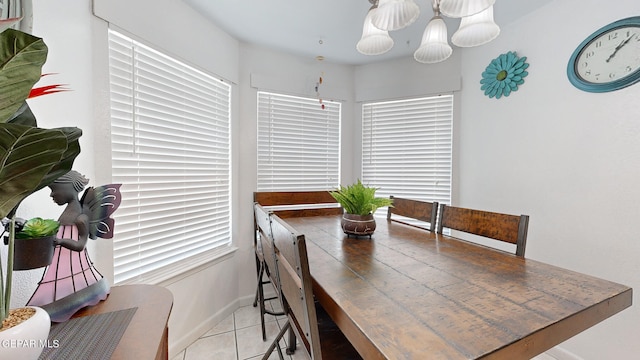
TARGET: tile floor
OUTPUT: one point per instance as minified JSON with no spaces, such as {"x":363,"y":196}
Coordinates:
{"x":238,"y":337}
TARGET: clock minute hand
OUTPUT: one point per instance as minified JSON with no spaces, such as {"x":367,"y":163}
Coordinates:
{"x":619,"y":47}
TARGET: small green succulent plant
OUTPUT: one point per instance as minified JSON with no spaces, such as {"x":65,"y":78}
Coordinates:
{"x":38,"y":227}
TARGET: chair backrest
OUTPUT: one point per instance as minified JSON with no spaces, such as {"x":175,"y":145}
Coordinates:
{"x":298,"y":203}
{"x":294,"y":279}
{"x":415,"y":209}
{"x":508,"y":228}
{"x":265,"y":237}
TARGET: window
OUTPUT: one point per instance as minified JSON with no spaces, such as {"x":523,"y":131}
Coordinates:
{"x":298,"y":143}
{"x":170,"y":139}
{"x":406,"y":147}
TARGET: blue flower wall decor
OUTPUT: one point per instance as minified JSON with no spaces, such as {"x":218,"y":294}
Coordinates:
{"x":503,"y":75}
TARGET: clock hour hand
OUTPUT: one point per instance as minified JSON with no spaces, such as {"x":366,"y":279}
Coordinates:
{"x":619,"y":47}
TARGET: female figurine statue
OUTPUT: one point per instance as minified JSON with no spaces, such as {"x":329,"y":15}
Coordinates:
{"x":71,"y":282}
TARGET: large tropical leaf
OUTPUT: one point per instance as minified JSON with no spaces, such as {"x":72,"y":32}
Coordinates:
{"x":27,"y":156}
{"x":21,"y":59}
{"x":24,"y":116}
{"x":65,"y":163}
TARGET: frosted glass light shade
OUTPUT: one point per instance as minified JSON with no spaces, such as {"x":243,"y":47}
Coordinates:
{"x":395,"y":14}
{"x":462,"y":8}
{"x":476,"y":30}
{"x":374,"y":41}
{"x":434,"y":46}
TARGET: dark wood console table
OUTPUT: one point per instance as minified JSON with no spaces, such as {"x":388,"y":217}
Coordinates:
{"x":146,"y":336}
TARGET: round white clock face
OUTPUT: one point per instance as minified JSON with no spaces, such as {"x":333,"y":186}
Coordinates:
{"x":611,"y":56}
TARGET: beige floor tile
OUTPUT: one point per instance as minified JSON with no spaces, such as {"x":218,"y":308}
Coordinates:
{"x":248,"y":316}
{"x":179,"y":356}
{"x":250,"y":342}
{"x":219,"y":347}
{"x":273,"y":356}
{"x":223,"y":326}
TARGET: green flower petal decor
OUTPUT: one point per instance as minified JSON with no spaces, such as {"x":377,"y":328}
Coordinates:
{"x":503,"y":75}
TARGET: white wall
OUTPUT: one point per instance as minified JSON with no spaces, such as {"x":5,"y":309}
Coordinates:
{"x":568,"y":158}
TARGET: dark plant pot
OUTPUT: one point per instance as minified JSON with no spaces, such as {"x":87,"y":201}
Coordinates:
{"x":33,"y":253}
{"x":358,"y":225}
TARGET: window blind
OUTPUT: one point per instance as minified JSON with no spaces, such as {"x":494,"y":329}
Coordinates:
{"x":298,"y":143}
{"x":170,"y":139}
{"x":406,"y":147}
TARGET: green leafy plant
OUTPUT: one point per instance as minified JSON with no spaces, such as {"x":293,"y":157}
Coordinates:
{"x":38,"y":227}
{"x":30,"y":157}
{"x":359,"y":199}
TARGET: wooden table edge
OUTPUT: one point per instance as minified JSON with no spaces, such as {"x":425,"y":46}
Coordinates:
{"x":564,"y":329}
{"x":153,"y":303}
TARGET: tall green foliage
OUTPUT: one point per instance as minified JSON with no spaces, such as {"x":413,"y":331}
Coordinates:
{"x":359,"y":199}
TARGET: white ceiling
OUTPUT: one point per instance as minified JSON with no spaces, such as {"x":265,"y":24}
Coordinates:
{"x":330,"y":28}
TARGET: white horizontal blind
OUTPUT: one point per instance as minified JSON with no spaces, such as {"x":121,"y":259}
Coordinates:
{"x":298,"y":143}
{"x":170,"y":139}
{"x":406,"y":147}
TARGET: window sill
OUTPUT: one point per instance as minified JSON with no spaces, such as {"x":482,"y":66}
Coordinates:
{"x":184,"y":268}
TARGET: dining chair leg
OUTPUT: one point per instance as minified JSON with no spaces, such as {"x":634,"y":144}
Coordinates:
{"x":291,"y":349}
{"x":259,"y":285}
{"x":260,"y":299}
{"x":276,"y":342}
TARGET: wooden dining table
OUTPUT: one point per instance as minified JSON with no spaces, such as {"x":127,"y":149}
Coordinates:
{"x":407,"y":293}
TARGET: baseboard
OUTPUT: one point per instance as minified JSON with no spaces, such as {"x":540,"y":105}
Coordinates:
{"x":562,"y":354}
{"x":189,"y":338}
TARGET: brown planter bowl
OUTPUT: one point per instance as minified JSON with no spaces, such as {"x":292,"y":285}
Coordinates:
{"x":33,"y":253}
{"x":358,"y":225}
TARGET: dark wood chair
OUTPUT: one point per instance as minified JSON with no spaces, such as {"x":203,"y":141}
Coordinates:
{"x":318,"y":334}
{"x":265,"y":263}
{"x":508,"y":228}
{"x":298,"y":203}
{"x":286,"y":203}
{"x":414,"y":209}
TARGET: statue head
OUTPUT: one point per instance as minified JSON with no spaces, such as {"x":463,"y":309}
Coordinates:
{"x":66,"y":188}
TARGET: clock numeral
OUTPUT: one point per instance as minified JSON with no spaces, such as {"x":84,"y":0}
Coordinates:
{"x":628,"y":69}
{"x":589,"y":54}
{"x":597,"y":44}
{"x":612,"y":75}
{"x":613,"y":35}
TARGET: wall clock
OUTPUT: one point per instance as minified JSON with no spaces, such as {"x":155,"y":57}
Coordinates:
{"x":608,"y":59}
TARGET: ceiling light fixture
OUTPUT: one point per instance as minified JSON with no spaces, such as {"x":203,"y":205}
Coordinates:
{"x":395,"y":14}
{"x":477,"y":29}
{"x":462,"y":8}
{"x":434,"y":46}
{"x":477,"y":26}
{"x":374,"y":41}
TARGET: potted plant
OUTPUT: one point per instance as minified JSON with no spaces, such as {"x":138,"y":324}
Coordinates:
{"x":359,"y":203}
{"x":34,"y":243}
{"x":30,"y":157}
